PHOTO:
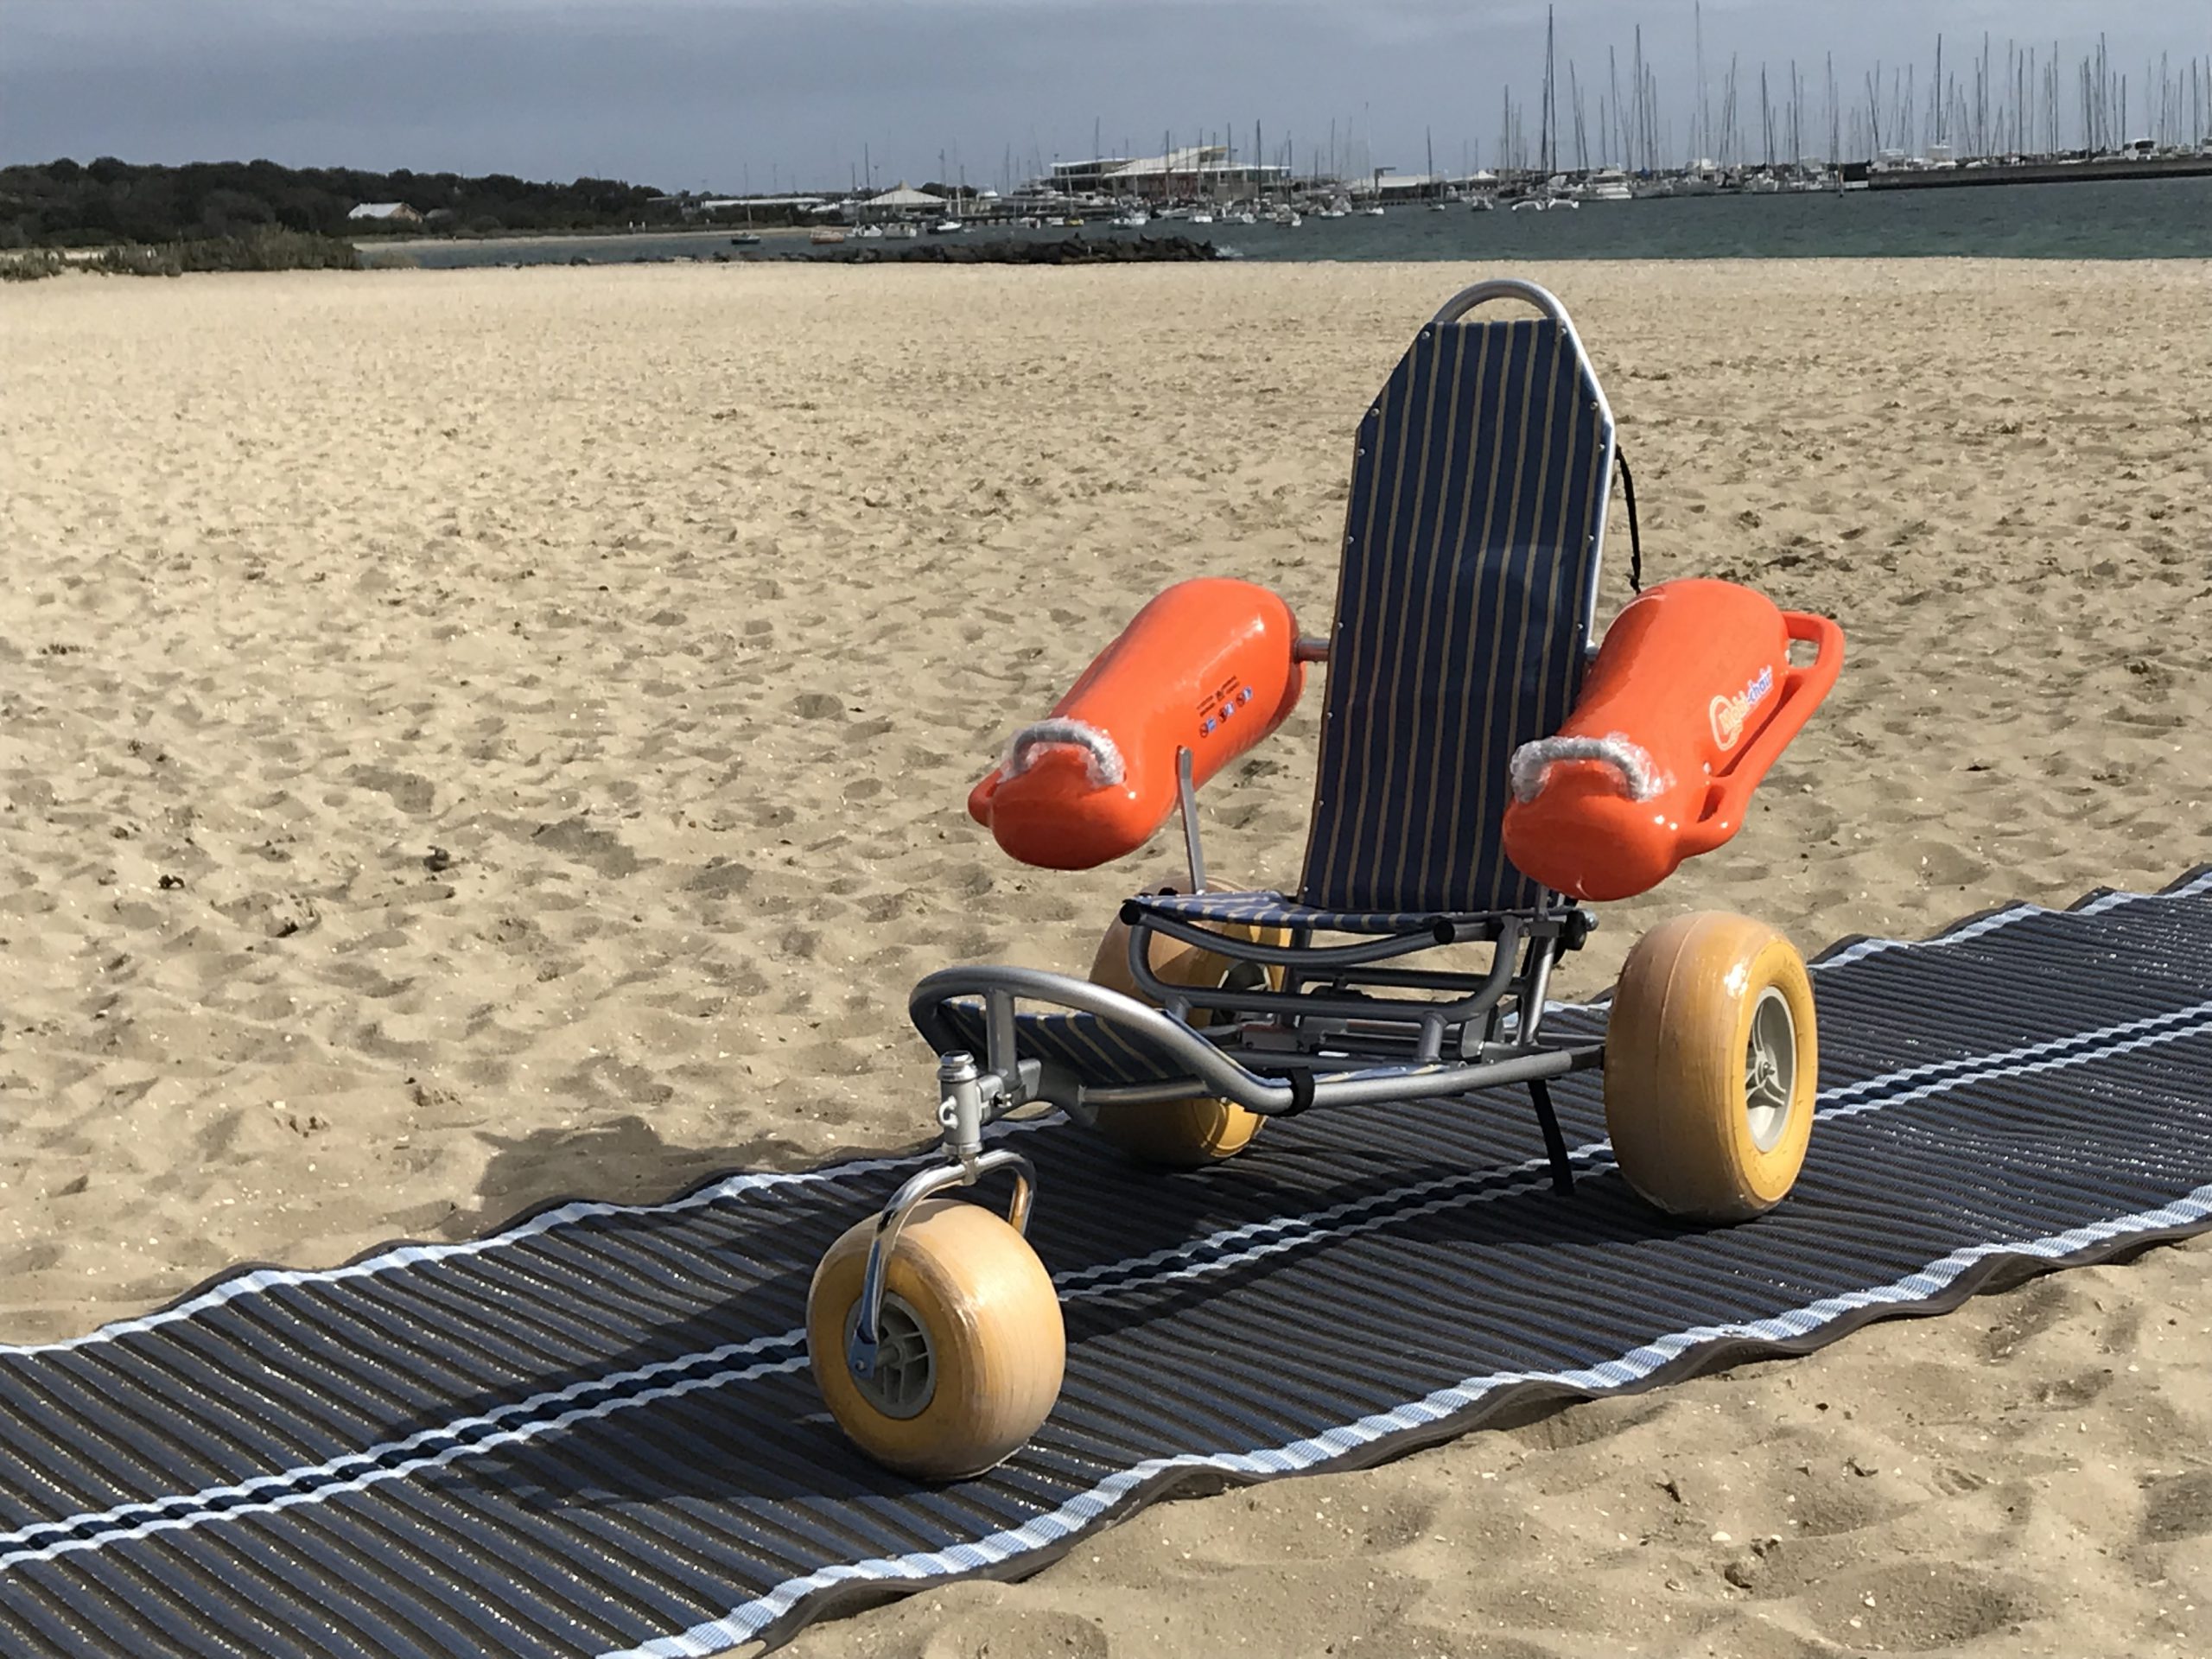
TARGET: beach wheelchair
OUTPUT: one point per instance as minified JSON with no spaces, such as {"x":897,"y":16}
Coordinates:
{"x":1484,"y":773}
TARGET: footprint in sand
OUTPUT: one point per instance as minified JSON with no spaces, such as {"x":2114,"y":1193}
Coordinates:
{"x":1912,"y":1608}
{"x":601,"y":850}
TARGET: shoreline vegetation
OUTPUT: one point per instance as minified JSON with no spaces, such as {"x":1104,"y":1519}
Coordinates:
{"x":298,"y":250}
{"x":263,"y":250}
{"x":109,"y":202}
{"x":122,"y":218}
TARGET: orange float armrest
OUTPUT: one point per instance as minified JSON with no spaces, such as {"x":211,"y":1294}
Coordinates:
{"x":1802,"y":688}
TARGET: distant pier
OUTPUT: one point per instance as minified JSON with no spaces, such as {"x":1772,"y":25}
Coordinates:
{"x":2098,"y":170}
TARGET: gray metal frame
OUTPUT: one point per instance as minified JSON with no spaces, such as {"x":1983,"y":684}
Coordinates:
{"x":1007,"y":1082}
{"x":1317,"y":1041}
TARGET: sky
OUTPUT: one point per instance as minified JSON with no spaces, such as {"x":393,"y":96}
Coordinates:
{"x":760,"y":94}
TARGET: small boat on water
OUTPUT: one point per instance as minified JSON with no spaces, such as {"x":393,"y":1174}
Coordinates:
{"x":824,"y":236}
{"x":1481,"y":204}
{"x":746,"y":239}
{"x":947,"y":227}
{"x":1371,"y":212}
{"x":1136,"y":221}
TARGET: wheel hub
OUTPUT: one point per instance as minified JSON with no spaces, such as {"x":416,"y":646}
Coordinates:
{"x":1769,"y":1069}
{"x":904,"y":1378}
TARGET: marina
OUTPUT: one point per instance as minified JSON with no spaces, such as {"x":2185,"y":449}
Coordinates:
{"x":2002,"y":121}
{"x":2166,"y":218}
{"x":1768,"y":163}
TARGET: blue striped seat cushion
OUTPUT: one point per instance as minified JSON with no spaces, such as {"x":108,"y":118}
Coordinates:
{"x":1274,"y":910}
{"x":1479,"y":491}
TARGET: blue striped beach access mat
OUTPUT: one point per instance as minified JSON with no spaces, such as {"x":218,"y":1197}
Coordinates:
{"x":594,"y":1432}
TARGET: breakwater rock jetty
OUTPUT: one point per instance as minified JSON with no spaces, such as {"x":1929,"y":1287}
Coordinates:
{"x":1052,"y":250}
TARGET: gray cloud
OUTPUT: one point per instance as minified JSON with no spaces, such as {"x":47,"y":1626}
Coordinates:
{"x":685,"y":92}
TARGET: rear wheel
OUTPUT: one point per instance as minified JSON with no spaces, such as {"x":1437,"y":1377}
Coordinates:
{"x":1711,"y":1062}
{"x":972,"y":1347}
{"x":1203,"y":1128}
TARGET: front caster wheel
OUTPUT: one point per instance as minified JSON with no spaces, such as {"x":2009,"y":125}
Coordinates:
{"x":972,"y":1345}
{"x":1711,"y":1063}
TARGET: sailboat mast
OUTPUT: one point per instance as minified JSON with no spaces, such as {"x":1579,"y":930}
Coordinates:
{"x":1730,"y":154}
{"x":1704,"y":137}
{"x":1796,"y":116}
{"x":1980,"y":138}
{"x":1546,"y":140}
{"x":1642,"y":144}
{"x":1581,"y":140}
{"x":1940,"y":111}
{"x":1766,"y":119}
{"x":1616,"y":138}
{"x":1835,"y":117}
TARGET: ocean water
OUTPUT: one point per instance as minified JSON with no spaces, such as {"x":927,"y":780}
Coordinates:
{"x":2151,"y":218}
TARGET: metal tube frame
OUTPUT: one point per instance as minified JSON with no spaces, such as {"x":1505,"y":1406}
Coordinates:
{"x":1324,"y":1060}
{"x":1206,"y":1068}
{"x":1186,"y":799}
{"x":1431,"y":1018}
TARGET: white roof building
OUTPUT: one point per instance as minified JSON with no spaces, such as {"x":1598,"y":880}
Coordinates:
{"x":902,"y":195}
{"x":1197,"y":167}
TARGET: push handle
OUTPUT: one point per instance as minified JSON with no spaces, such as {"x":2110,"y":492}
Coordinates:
{"x":1499,"y":288}
{"x":1802,"y":688}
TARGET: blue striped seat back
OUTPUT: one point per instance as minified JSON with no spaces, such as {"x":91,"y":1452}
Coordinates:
{"x":1478,"y":503}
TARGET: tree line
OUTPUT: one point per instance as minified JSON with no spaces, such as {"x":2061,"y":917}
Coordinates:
{"x":66,"y":204}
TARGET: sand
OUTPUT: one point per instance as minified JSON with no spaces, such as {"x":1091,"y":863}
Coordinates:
{"x":472,"y":737}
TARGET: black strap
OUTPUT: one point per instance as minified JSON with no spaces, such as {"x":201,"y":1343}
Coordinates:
{"x":1635,"y":534}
